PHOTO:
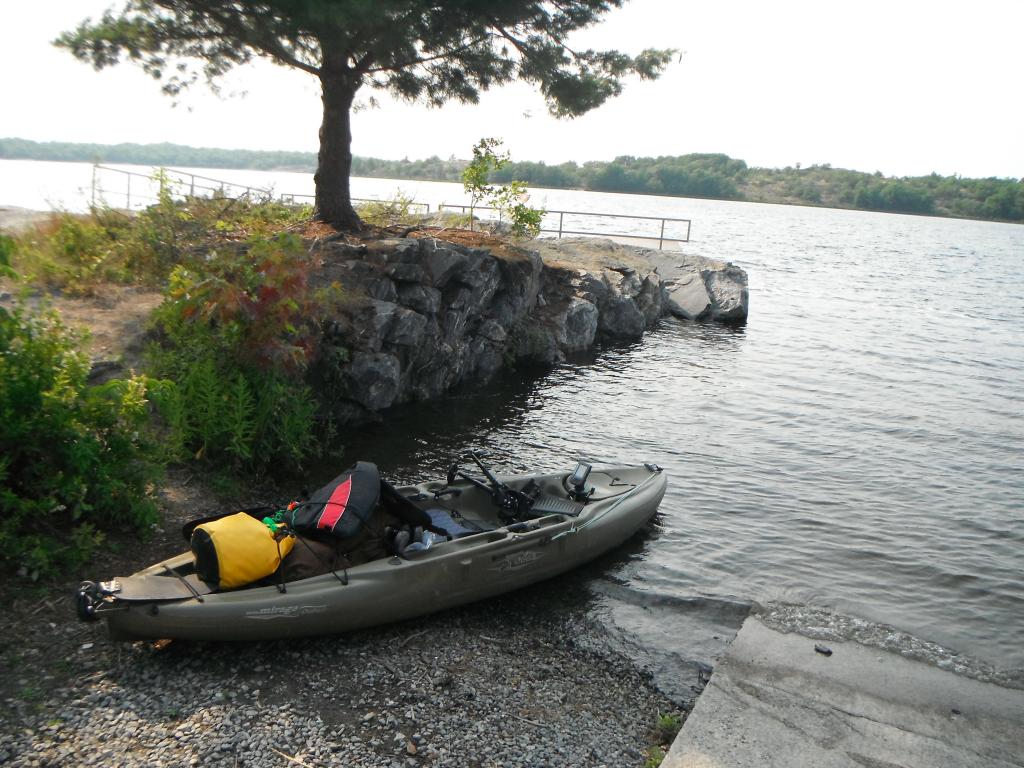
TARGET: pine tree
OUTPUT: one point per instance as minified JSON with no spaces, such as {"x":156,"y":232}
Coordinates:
{"x":416,"y":49}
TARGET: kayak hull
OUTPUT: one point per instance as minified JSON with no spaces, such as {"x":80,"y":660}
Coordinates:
{"x":448,"y":574}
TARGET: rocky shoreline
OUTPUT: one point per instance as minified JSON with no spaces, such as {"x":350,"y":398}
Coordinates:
{"x":439,"y":308}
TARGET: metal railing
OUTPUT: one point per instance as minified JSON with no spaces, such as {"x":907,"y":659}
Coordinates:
{"x":153,"y":187}
{"x":180,"y":184}
{"x":575,"y":217}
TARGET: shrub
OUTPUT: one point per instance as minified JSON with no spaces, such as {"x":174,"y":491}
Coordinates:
{"x":509,"y":199}
{"x":7,"y":249}
{"x":236,"y":336}
{"x":388,"y":213}
{"x":74,"y":458}
{"x":79,"y":252}
{"x":71,"y":252}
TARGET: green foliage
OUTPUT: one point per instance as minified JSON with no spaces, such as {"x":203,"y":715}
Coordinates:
{"x":413,"y":49}
{"x":510,"y":199}
{"x":7,"y":249}
{"x":77,"y":253}
{"x":237,"y":335}
{"x":388,"y":213}
{"x":163,"y":154}
{"x":476,"y":175}
{"x":74,"y":458}
{"x":653,"y":756}
{"x":69,"y":252}
{"x":667,"y":727}
{"x":526,"y":221}
{"x":697,"y":175}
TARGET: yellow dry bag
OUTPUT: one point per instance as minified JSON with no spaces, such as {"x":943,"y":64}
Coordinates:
{"x":237,"y":550}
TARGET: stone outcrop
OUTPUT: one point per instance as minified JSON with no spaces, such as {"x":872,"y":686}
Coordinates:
{"x":422,"y":314}
{"x":694,"y":287}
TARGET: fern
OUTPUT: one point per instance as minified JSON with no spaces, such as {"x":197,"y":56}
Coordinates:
{"x":204,"y":398}
{"x":170,"y":404}
{"x":240,"y":419}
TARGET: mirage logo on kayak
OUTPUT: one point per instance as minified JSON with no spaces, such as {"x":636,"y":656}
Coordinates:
{"x":516,"y":562}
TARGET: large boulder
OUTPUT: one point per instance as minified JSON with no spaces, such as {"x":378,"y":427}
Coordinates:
{"x":730,"y":299}
{"x":577,"y":326}
{"x":699,"y":288}
{"x":688,"y":297}
{"x":620,"y":319}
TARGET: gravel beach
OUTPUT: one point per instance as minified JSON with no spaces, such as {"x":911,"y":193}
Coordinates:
{"x":513,"y":682}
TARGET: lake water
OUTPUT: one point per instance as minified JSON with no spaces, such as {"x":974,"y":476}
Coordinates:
{"x":857,"y":446}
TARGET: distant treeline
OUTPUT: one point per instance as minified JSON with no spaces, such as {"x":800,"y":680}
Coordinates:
{"x":157,"y":154}
{"x":697,"y":175}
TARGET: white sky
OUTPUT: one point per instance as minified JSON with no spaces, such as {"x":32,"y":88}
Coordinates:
{"x":901,"y":86}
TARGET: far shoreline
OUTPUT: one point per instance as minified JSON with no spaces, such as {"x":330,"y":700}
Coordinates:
{"x":818,"y":186}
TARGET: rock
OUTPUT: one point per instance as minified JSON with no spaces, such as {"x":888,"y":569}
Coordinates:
{"x":406,"y":328}
{"x":578,"y":324}
{"x":620,"y":319}
{"x":381,"y":288}
{"x":492,"y":331}
{"x":688,"y":298}
{"x":536,"y":344}
{"x":396,"y":250}
{"x":442,"y":260}
{"x":371,"y":325}
{"x":372,"y":379}
{"x":341,"y":251}
{"x":424,"y":299}
{"x":519,"y":282}
{"x":651,"y":299}
{"x":406,"y":273}
{"x":730,"y":298}
{"x":103,"y":371}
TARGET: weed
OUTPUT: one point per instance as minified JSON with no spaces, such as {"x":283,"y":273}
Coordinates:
{"x":667,"y":727}
{"x":654,"y":755}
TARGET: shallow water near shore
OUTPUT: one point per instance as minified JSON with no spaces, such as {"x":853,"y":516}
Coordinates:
{"x":857,"y":447}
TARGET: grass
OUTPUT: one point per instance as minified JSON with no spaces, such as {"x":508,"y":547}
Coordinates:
{"x":666,"y":727}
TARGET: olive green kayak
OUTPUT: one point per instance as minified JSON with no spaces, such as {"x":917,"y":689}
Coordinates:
{"x":515,"y":531}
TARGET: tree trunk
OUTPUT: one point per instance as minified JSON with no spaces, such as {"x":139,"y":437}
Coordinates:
{"x":334,"y":163}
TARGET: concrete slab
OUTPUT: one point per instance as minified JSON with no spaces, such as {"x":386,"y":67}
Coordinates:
{"x":774,"y":701}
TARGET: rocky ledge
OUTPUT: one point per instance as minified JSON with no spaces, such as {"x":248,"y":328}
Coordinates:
{"x":438,"y":308}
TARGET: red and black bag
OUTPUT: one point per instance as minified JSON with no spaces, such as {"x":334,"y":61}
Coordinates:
{"x":342,"y":507}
